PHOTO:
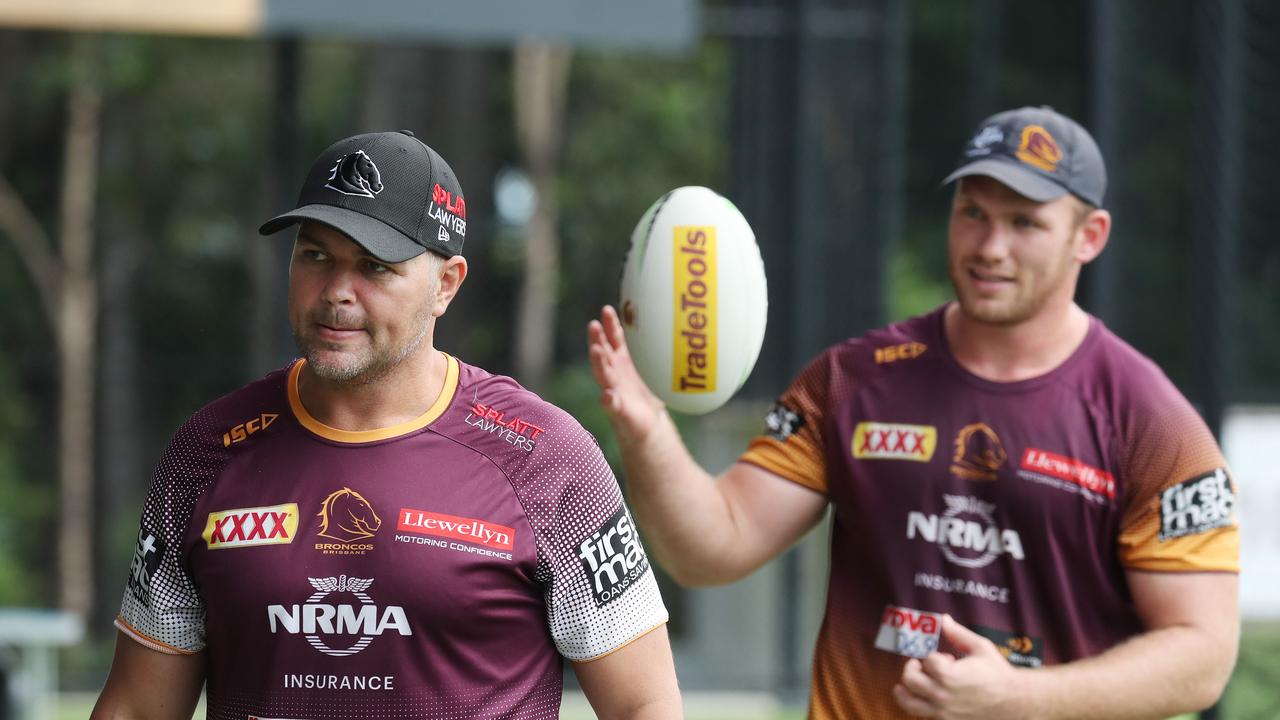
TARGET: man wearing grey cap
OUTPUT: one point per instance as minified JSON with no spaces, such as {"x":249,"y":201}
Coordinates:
{"x":380,"y":530}
{"x":1028,"y":519}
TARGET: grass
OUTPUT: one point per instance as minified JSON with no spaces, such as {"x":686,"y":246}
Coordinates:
{"x":708,"y":706}
{"x":1254,"y":692}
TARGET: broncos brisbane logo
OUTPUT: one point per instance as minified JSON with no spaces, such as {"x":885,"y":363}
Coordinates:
{"x":355,"y":174}
{"x":978,"y":453}
{"x":346,"y":516}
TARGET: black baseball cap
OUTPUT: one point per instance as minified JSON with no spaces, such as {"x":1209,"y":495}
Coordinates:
{"x":1039,"y":153}
{"x":388,"y":192}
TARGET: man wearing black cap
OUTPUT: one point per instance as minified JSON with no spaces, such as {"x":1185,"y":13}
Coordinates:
{"x":1029,"y":521}
{"x":380,"y":530}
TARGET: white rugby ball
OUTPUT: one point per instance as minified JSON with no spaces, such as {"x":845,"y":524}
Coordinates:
{"x":694,"y":299}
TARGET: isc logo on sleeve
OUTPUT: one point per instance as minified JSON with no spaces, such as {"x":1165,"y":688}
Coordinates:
{"x":249,"y":527}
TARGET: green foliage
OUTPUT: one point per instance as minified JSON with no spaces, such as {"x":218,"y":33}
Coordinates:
{"x":25,"y":502}
{"x":914,"y":285}
{"x":575,"y":391}
{"x":638,"y":126}
{"x":1251,"y":694}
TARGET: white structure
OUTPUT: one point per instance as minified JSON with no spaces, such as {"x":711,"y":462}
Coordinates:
{"x":35,"y":634}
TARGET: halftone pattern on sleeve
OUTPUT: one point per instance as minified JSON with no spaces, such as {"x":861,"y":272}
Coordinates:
{"x":161,"y":603}
{"x":162,"y":607}
{"x":600,"y":591}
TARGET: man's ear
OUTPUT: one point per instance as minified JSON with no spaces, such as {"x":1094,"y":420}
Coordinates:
{"x":453,"y":271}
{"x":1094,"y":232}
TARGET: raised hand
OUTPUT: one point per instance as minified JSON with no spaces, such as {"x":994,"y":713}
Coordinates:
{"x":632,"y":408}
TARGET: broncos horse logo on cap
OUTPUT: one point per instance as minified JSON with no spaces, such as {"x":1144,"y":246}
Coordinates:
{"x":355,"y":174}
{"x":1039,"y":149}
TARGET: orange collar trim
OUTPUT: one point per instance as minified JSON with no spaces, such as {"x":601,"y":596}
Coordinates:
{"x":366,"y":436}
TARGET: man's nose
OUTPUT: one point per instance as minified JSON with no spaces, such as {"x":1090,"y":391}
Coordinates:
{"x":994,"y":244}
{"x":339,"y":287}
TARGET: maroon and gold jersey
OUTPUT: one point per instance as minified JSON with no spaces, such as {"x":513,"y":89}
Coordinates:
{"x":440,"y":568}
{"x":1015,"y":507}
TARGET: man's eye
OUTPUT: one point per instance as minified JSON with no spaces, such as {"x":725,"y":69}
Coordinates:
{"x":972,"y":212}
{"x":315,"y":255}
{"x":377,"y":268}
{"x":1023,"y":222}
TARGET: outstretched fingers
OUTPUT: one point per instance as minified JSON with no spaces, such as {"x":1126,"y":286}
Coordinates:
{"x":613,"y":329}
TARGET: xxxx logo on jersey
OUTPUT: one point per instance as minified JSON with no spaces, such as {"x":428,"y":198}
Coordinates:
{"x":248,"y":527}
{"x":894,"y":441}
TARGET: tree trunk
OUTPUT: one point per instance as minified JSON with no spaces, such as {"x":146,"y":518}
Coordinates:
{"x":68,"y":293}
{"x":77,"y":319}
{"x":541,"y":89}
{"x":267,"y":259}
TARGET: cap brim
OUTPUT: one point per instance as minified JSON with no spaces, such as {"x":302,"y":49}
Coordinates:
{"x":381,"y":240}
{"x":1026,"y":183}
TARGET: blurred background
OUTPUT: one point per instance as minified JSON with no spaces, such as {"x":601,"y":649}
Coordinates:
{"x":140,"y":149}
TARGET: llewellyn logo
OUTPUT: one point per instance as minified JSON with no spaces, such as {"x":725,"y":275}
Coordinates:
{"x":1081,"y":476}
{"x":319,"y":621}
{"x":694,"y":309}
{"x":471,"y":530}
{"x":346,"y":516}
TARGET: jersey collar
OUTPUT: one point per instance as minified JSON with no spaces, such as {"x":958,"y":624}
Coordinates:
{"x":367,"y":436}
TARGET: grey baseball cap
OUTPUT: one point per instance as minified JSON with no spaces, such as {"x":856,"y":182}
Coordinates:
{"x":388,"y":192}
{"x":1039,"y":153}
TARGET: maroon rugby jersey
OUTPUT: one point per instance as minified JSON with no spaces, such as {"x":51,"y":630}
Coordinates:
{"x":440,"y":568}
{"x":1015,"y":507}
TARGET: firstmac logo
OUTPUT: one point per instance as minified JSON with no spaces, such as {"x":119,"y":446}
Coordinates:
{"x":612,"y":558}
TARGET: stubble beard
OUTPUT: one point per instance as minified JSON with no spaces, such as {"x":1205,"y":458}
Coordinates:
{"x":366,"y":366}
{"x":1004,"y":312}
{"x":1023,"y":305}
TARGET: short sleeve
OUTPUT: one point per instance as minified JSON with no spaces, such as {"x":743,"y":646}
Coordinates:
{"x":791,"y":444}
{"x":601,"y":593}
{"x":1180,"y":509}
{"x":162,"y":607}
